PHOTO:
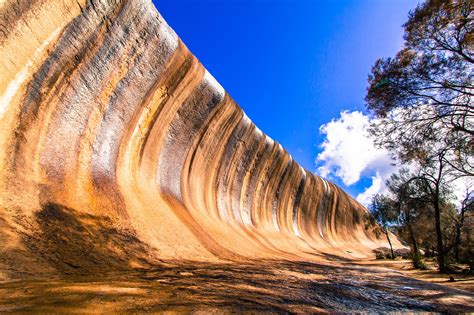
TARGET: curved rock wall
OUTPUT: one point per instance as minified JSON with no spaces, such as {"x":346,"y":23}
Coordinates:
{"x":108,"y":122}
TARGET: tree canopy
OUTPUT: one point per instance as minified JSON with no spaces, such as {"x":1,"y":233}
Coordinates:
{"x":423,"y":101}
{"x":424,"y":95}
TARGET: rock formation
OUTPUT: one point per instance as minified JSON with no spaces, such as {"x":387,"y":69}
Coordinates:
{"x":117,"y":149}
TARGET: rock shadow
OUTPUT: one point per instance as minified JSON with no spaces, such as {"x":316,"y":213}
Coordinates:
{"x":75,"y":243}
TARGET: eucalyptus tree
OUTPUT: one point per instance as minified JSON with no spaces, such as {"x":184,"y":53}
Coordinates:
{"x":423,"y":101}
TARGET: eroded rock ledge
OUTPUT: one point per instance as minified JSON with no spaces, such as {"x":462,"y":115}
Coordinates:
{"x":118,"y":148}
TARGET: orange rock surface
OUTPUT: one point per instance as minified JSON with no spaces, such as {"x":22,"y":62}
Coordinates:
{"x":118,"y":149}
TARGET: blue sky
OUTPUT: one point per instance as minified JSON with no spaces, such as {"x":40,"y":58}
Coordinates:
{"x":293,"y":65}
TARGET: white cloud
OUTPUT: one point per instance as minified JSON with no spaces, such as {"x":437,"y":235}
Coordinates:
{"x":378,"y":186}
{"x":459,"y":187}
{"x":349,"y":153}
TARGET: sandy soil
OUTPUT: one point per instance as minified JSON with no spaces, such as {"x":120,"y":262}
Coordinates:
{"x":462,"y":281}
{"x":258,"y":286}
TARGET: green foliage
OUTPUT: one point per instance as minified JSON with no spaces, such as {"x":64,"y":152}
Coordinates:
{"x":424,"y":95}
{"x":417,"y":261}
{"x":384,"y":213}
{"x":384,"y":210}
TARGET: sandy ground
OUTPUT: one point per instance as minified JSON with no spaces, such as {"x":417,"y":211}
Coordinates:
{"x":258,"y":286}
{"x":462,"y":281}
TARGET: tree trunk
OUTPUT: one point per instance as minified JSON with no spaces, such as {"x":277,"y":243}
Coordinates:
{"x":439,"y":235}
{"x":413,"y":239}
{"x":459,"y":227}
{"x":390,"y":243}
{"x":416,"y":253}
{"x":457,"y":242}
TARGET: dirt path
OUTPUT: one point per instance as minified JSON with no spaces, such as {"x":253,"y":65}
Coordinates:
{"x":274,"y":286}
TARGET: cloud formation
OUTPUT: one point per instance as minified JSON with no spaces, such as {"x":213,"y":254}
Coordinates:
{"x":349,"y":153}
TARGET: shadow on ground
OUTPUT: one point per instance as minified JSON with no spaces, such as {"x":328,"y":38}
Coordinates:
{"x":103,"y":268}
{"x":273,"y":286}
{"x":81,"y":244}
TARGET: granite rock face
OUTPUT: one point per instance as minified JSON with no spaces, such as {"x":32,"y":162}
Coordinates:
{"x":117,"y":148}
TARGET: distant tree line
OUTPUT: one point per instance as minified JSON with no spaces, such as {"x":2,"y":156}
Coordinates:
{"x":423,"y":103}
